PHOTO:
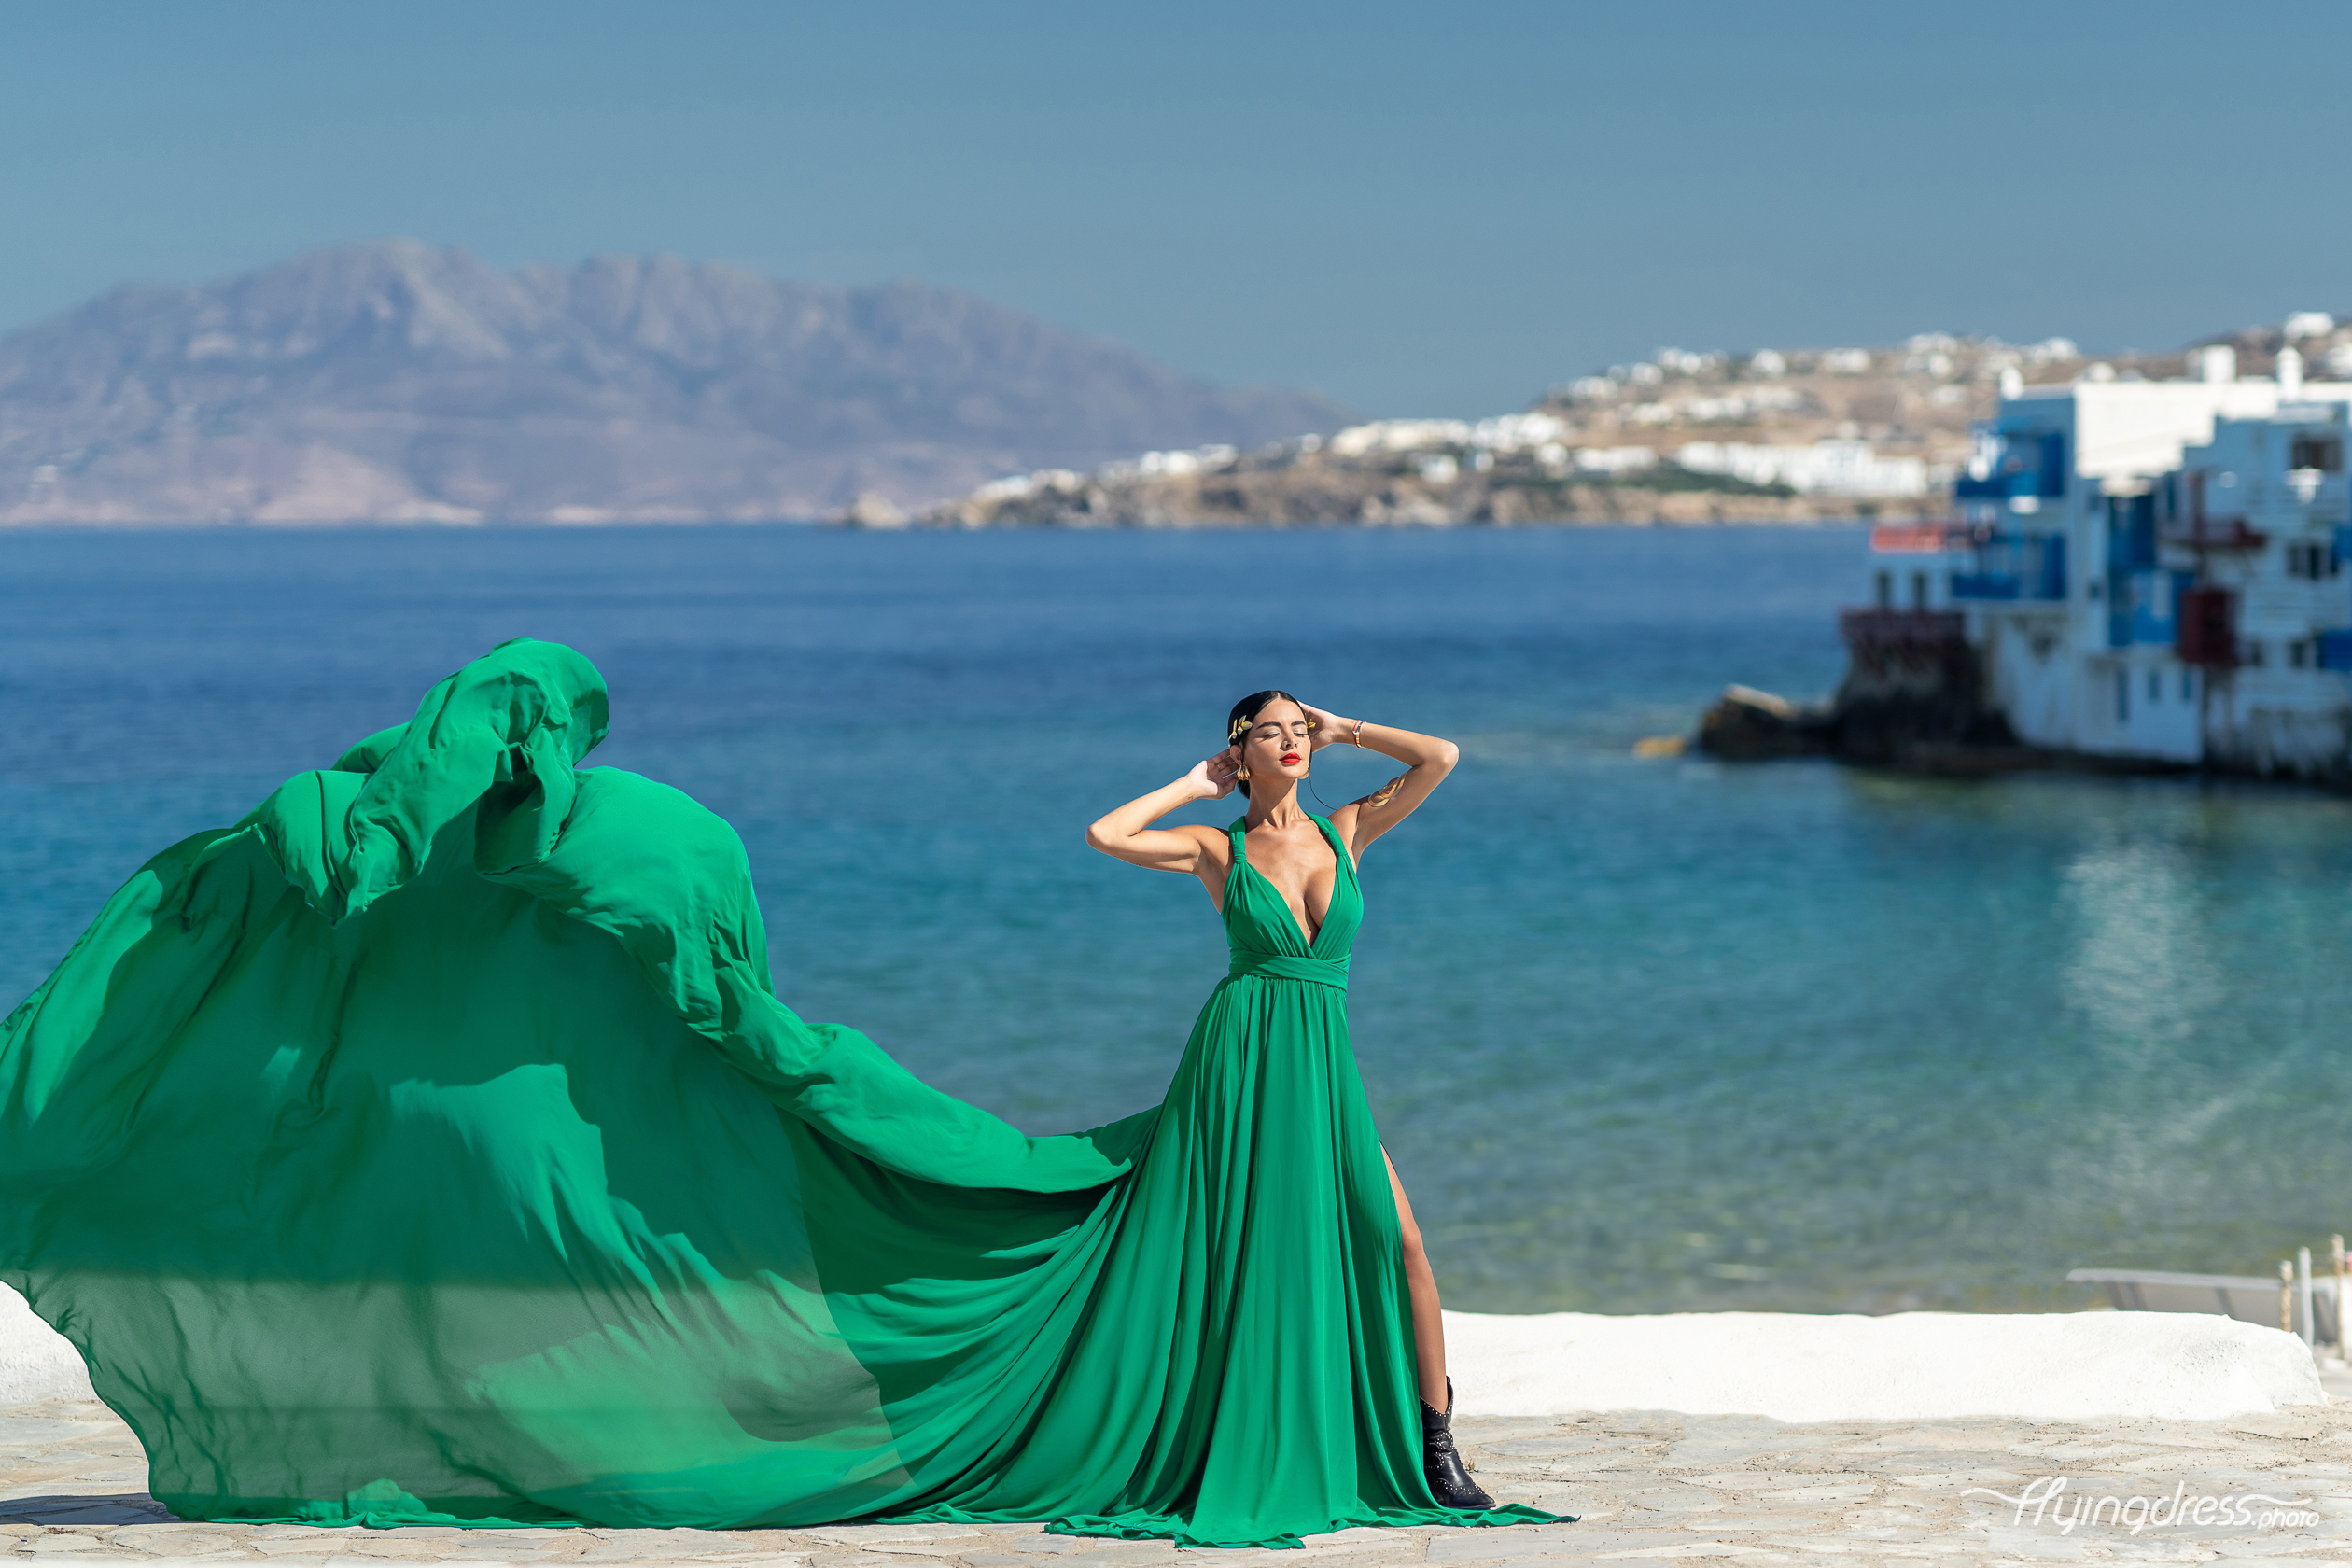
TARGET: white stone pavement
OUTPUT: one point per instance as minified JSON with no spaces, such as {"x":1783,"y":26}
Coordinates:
{"x":1648,"y":1486}
{"x":1864,"y":1448}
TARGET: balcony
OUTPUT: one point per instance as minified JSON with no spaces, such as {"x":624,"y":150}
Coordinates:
{"x":2015,"y":567}
{"x":1920,"y":539}
{"x":2143,"y":607}
{"x":2187,"y":514}
{"x":1987,"y":585}
{"x":1900,"y":628}
{"x":2215,"y":536}
{"x":2014,"y":465}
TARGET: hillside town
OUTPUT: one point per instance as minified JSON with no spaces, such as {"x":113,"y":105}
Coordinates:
{"x":1800,"y":435}
{"x":2129,"y":563}
{"x":1773,"y":436}
{"x":2131,"y":575}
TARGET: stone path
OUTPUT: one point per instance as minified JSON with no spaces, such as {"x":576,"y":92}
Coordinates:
{"x":1648,"y":1486}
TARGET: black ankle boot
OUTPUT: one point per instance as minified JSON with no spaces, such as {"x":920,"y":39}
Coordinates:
{"x":1450,"y":1482}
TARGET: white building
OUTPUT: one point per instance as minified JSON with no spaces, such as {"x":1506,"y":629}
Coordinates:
{"x":1825,"y":467}
{"x":1519,"y":432}
{"x":2252,"y":531}
{"x":1613,"y":460}
{"x":1400,"y":435}
{"x":2153,"y":569}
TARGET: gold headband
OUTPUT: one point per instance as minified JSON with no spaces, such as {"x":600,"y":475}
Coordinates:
{"x":1233,"y":731}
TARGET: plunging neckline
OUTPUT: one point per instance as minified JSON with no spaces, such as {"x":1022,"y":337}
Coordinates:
{"x":1331,"y":841}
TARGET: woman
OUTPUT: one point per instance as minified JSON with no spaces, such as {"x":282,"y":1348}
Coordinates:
{"x":1284,"y":881}
{"x":429,"y":1147}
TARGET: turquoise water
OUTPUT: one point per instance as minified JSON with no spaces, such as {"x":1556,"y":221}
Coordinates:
{"x":1641,"y":1035}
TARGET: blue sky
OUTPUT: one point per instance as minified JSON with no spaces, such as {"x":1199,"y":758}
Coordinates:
{"x":1415,"y":208}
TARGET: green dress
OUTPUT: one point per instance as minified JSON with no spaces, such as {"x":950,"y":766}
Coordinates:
{"x":429,"y":1147}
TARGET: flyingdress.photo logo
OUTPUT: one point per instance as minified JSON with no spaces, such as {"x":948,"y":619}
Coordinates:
{"x":2049,"y":1505}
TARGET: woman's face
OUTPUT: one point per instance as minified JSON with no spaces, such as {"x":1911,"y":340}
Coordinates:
{"x":1276,"y":745}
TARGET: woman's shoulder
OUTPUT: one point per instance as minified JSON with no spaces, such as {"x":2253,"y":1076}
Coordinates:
{"x":1214,"y":841}
{"x":1342,"y":824}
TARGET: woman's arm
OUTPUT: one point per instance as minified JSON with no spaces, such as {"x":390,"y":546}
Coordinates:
{"x":1128,"y":833}
{"x":1427,"y":760}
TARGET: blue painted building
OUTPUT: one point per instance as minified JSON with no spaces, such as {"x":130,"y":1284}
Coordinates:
{"x":2153,"y":569}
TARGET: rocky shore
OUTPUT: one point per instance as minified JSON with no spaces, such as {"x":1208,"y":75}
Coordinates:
{"x":1917,"y":705}
{"x":1915,"y":699}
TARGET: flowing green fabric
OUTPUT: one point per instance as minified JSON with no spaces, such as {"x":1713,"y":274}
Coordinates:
{"x":429,"y":1147}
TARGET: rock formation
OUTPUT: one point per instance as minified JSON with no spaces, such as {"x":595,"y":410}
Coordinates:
{"x":401,"y":382}
{"x":1913,"y":697}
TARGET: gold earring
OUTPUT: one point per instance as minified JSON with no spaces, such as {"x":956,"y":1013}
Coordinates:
{"x":1242,"y":774}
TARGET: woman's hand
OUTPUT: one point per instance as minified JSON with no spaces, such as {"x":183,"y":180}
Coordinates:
{"x":1128,"y":833}
{"x":1427,"y":761}
{"x":1329,"y":728}
{"x":1211,"y":777}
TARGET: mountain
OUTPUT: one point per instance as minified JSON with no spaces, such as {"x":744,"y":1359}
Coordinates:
{"x":395,"y":382}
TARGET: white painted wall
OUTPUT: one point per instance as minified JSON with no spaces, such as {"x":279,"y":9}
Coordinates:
{"x":2152,"y":715}
{"x":35,"y":1361}
{"x":2275,"y":717}
{"x":2029,"y":667}
{"x":2122,"y":434}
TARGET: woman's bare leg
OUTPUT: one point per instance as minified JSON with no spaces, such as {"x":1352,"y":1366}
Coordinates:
{"x":1429,"y":1328}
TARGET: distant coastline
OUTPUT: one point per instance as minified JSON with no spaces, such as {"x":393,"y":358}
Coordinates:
{"x":396,"y":382}
{"x":1302,"y":485}
{"x":1777,"y":436}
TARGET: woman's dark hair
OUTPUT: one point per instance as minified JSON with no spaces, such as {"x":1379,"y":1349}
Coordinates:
{"x":1244,"y":715}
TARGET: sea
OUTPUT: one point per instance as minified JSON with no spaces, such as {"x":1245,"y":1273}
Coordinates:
{"x":1642,"y":1034}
